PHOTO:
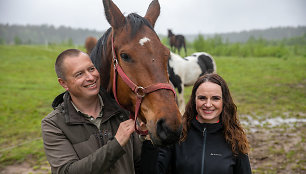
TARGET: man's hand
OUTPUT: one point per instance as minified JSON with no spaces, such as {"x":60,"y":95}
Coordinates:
{"x":124,"y":131}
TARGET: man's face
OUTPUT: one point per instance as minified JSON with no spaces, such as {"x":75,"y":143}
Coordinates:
{"x":82,"y":79}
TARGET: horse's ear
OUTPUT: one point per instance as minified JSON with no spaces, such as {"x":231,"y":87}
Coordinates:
{"x":153,"y":12}
{"x":113,"y":14}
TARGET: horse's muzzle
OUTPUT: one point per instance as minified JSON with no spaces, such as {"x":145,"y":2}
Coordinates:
{"x":167,"y":136}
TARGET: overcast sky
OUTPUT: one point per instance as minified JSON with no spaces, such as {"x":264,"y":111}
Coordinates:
{"x":182,"y":16}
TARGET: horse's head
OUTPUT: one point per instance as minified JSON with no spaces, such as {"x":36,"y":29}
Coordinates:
{"x":170,"y":34}
{"x":143,"y":59}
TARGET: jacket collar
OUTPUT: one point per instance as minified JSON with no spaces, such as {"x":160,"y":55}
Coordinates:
{"x":110,"y":108}
{"x":210,"y":127}
{"x":72,"y":116}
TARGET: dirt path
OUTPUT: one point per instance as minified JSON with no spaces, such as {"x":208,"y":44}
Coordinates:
{"x":279,"y":149}
{"x":26,"y":168}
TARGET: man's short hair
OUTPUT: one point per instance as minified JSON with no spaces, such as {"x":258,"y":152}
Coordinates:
{"x":60,"y":59}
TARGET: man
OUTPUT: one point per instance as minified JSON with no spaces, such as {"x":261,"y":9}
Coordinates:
{"x":87,"y":132}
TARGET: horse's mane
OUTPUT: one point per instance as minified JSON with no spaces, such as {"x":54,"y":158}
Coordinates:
{"x":99,"y":53}
{"x":99,"y":49}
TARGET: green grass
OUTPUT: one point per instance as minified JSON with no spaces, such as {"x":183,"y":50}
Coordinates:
{"x":262,"y":86}
{"x":266,"y":85}
{"x":28,"y":85}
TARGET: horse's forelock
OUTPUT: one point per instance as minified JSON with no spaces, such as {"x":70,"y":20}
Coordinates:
{"x":136,"y":21}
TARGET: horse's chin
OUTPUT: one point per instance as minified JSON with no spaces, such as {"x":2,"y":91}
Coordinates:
{"x":157,"y":140}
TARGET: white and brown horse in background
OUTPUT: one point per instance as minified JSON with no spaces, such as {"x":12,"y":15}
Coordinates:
{"x":185,"y":71}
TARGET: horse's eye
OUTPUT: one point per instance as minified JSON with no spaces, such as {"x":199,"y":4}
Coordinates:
{"x":125,"y":57}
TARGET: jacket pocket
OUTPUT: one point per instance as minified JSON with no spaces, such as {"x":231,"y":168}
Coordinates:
{"x":87,"y":147}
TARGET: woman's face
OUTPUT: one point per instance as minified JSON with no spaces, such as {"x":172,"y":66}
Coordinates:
{"x":209,"y":102}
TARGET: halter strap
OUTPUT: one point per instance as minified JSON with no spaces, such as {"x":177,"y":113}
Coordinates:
{"x":139,"y":91}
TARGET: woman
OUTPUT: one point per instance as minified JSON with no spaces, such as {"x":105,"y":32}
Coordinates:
{"x":213,"y":140}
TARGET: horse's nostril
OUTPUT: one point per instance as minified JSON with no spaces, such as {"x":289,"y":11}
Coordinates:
{"x":166,"y":135}
{"x":162,"y":129}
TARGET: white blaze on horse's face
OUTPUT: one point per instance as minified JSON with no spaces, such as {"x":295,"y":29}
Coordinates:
{"x":144,"y":40}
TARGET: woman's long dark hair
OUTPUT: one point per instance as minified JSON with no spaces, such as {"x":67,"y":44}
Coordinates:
{"x":233,"y":131}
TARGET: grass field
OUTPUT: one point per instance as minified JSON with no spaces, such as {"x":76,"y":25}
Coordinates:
{"x":261,"y":87}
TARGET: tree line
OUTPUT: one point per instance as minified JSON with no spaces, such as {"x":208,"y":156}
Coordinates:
{"x":253,"y":47}
{"x":277,"y":42}
{"x":44,"y":35}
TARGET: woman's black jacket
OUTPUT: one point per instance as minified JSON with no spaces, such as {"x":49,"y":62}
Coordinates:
{"x":205,"y":151}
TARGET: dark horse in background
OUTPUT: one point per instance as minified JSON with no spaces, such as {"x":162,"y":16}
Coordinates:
{"x":132,"y":63}
{"x":176,"y":42}
{"x":90,"y":43}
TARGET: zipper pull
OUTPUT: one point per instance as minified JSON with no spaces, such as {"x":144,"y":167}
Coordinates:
{"x":204,"y":131}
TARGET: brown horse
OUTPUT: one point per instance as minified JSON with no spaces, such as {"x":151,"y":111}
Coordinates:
{"x":176,"y":42}
{"x":90,"y":43}
{"x":132,"y":63}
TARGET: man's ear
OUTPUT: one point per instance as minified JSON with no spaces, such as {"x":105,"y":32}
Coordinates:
{"x":63,"y":83}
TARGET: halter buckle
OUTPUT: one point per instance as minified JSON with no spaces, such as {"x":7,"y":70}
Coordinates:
{"x":139,"y":91}
{"x":115,"y":61}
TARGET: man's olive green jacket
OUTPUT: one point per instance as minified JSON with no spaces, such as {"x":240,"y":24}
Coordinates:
{"x":75,"y":145}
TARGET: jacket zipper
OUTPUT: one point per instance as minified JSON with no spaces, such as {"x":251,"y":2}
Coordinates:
{"x":100,"y":133}
{"x":203,"y":152}
{"x":101,"y":137}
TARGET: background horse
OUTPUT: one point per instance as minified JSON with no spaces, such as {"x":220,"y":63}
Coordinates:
{"x":90,"y":43}
{"x":185,"y":71}
{"x":133,"y":67}
{"x":176,"y":42}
